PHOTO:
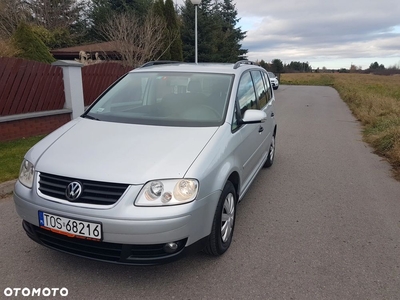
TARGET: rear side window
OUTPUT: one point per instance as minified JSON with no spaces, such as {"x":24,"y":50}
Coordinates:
{"x":246,"y":96}
{"x":268,"y":87}
{"x":260,"y":88}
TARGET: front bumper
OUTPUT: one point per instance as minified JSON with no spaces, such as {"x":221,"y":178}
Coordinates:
{"x":111,"y":252}
{"x":127,"y":230}
{"x":275,"y":84}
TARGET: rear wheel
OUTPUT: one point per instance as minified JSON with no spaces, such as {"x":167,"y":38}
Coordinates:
{"x":224,"y":222}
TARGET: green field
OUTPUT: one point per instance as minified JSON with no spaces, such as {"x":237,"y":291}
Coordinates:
{"x":374,"y":101}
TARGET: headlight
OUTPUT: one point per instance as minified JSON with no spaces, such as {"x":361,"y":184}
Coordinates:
{"x":168,"y":192}
{"x":26,"y":174}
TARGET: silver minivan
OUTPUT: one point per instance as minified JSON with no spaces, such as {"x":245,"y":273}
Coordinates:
{"x":155,"y":167}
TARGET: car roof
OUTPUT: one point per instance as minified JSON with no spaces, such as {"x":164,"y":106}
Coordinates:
{"x":220,"y":68}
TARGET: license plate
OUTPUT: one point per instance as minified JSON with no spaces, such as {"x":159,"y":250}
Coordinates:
{"x":70,"y":227}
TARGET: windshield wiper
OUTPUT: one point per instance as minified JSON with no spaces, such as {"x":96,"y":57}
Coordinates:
{"x":90,"y":117}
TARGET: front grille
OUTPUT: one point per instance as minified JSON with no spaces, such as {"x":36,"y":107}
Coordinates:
{"x":93,"y":192}
{"x":119,"y":253}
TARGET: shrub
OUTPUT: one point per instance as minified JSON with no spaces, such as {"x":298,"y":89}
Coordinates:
{"x":57,"y":38}
{"x":30,"y":46}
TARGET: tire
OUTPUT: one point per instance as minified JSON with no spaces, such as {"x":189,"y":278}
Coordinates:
{"x":271,"y":154}
{"x":222,"y":228}
{"x":275,"y":87}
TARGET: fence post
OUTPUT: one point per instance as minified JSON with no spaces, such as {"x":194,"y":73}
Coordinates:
{"x":73,"y":87}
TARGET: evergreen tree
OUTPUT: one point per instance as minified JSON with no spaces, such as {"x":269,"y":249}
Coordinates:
{"x":30,"y":46}
{"x":158,"y":8}
{"x":206,"y":30}
{"x":376,"y":66}
{"x":159,"y":11}
{"x":218,"y":38}
{"x":298,"y":66}
{"x":187,"y":32}
{"x":174,"y":42}
{"x":207,"y":7}
{"x":229,"y":47}
{"x":263,"y":64}
{"x":140,"y":7}
{"x":101,"y":10}
{"x":277,"y":66}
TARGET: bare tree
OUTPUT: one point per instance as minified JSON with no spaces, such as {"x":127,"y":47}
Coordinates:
{"x":54,"y":14}
{"x":137,"y":39}
{"x":7,"y":49}
{"x":12,"y":12}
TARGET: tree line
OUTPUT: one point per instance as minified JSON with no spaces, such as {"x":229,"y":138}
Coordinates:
{"x":142,"y":30}
{"x":277,"y":66}
{"x":374,"y":68}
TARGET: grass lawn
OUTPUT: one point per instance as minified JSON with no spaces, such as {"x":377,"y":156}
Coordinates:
{"x":374,"y":101}
{"x":11,"y":156}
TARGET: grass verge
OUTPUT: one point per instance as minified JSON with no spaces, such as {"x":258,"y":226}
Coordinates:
{"x":11,"y":155}
{"x":374,"y":100}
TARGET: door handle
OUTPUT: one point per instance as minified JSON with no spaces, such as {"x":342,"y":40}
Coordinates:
{"x":261,"y":129}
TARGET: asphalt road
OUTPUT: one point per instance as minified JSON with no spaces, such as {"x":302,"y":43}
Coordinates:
{"x":322,"y":223}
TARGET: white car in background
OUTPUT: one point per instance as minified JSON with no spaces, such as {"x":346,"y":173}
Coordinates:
{"x":274,"y":80}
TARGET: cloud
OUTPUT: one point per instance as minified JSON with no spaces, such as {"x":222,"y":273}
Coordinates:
{"x":318,"y":32}
{"x":324,"y":33}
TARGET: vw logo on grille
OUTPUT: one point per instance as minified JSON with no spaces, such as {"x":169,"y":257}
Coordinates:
{"x":73,"y":191}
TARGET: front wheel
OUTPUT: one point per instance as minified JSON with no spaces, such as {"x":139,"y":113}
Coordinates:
{"x":271,"y":154}
{"x":224,"y":222}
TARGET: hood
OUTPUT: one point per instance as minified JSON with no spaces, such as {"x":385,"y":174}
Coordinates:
{"x":124,"y":153}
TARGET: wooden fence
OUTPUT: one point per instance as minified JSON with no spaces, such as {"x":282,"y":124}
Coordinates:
{"x":96,"y":78}
{"x":28,"y":86}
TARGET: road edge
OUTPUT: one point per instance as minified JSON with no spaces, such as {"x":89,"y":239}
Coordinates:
{"x":6,"y":188}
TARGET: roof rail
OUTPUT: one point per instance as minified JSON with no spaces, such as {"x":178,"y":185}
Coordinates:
{"x":243,"y":62}
{"x":158,"y":62}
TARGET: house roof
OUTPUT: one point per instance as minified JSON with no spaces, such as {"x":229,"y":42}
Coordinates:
{"x":105,"y":49}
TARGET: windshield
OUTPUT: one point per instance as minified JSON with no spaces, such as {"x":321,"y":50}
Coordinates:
{"x":166,"y":99}
{"x":271,"y":75}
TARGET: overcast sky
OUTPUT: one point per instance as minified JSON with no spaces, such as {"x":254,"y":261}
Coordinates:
{"x":330,"y":33}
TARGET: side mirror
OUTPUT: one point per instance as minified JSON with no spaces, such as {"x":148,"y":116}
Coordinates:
{"x":253,"y":116}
